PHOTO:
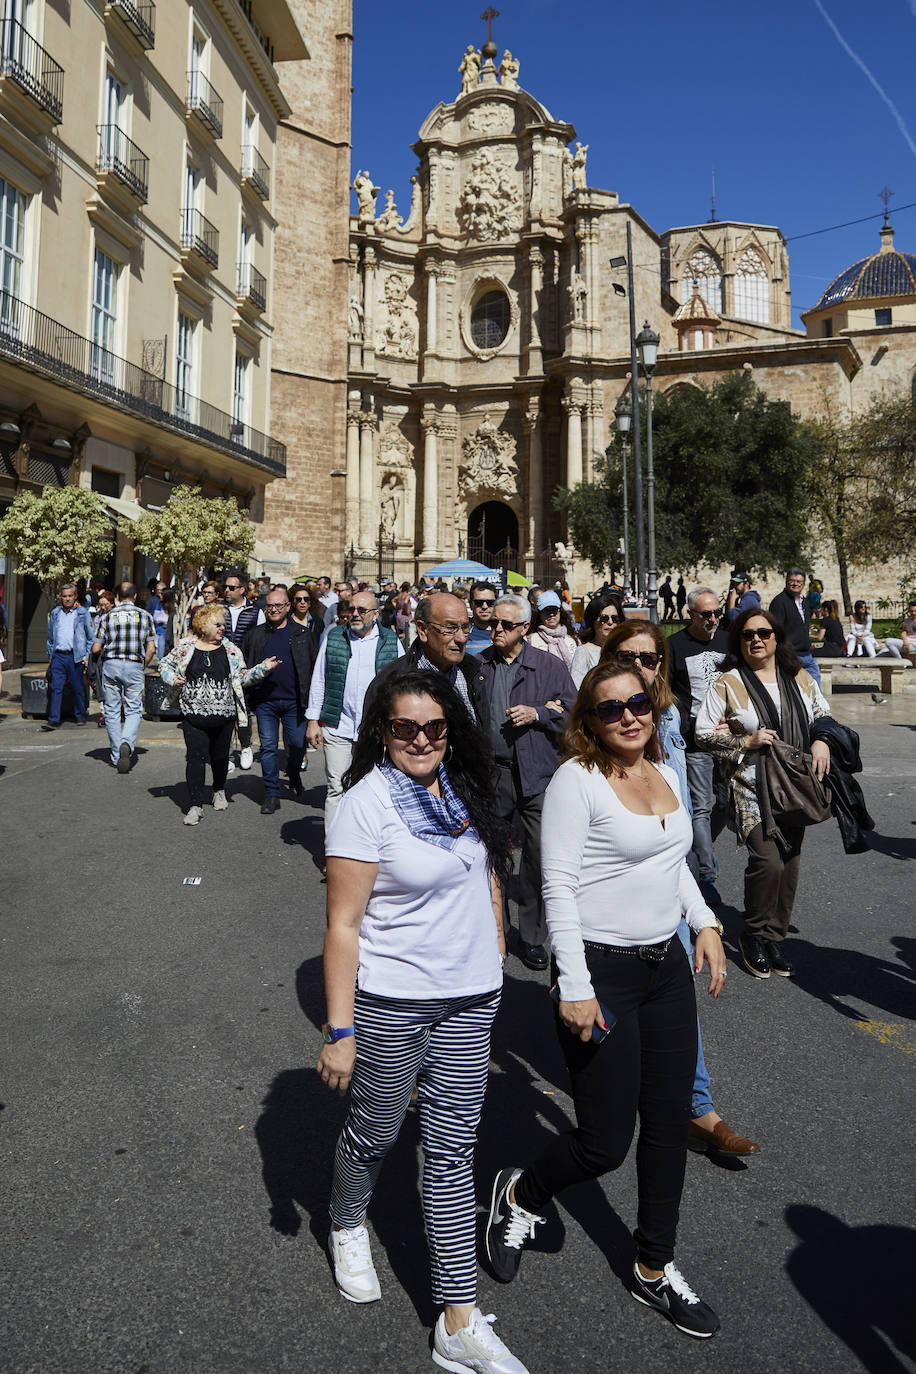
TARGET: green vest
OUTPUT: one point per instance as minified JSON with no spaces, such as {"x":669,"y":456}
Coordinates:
{"x":338,"y":661}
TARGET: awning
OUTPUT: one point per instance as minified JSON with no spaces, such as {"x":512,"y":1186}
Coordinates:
{"x":130,"y":510}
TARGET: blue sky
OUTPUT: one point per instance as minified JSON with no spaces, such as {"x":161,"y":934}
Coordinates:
{"x":766,"y":94}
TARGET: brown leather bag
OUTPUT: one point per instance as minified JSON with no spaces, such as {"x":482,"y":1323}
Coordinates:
{"x":797,"y":795}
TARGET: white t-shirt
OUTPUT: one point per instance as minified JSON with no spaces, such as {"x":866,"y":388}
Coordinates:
{"x":429,"y":928}
{"x":611,"y":876}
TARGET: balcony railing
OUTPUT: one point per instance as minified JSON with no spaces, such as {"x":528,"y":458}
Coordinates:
{"x":26,"y":62}
{"x":140,"y":18}
{"x":124,"y":160}
{"x":204,"y":101}
{"x":36,"y":341}
{"x":255,"y":171}
{"x":252,"y":286}
{"x":200,"y":236}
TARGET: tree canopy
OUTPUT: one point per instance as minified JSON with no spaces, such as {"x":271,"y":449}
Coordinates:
{"x":730,"y":482}
{"x":57,"y":536}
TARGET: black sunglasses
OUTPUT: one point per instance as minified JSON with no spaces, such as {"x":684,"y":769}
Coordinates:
{"x":748,"y":635}
{"x":610,"y":712}
{"x":646,"y":657}
{"x":710,"y":615}
{"x":610,"y":620}
{"x":407,"y":730}
{"x":506,"y":624}
{"x":487,"y":602}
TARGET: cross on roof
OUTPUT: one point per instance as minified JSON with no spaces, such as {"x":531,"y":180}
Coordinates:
{"x":490,"y":14}
{"x":884,"y":195}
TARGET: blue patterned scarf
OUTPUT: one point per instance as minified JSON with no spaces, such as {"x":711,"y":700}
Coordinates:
{"x":437,"y":820}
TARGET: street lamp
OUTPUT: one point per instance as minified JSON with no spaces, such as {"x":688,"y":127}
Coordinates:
{"x":647,"y":348}
{"x":624,"y":418}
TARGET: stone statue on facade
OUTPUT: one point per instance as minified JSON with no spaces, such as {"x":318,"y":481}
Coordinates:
{"x":578,"y":292}
{"x":398,"y":335}
{"x":470,"y":70}
{"x":365,"y":196}
{"x":390,"y":506}
{"x":489,"y":206}
{"x":354,"y":320}
{"x":389,"y":218}
{"x":508,"y":71}
{"x":578,"y":167}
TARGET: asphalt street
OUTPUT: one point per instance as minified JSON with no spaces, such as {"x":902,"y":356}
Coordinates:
{"x":166,"y":1144}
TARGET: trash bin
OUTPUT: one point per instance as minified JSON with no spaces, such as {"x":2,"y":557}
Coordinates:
{"x":154,"y":694}
{"x":36,"y":696}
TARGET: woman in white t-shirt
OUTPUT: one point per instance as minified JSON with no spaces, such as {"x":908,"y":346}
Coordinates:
{"x":614,"y":841}
{"x":415,"y":854}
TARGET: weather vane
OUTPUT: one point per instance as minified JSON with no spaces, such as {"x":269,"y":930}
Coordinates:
{"x":884,"y":195}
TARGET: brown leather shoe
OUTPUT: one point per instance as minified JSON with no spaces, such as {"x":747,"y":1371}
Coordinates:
{"x":721,"y":1140}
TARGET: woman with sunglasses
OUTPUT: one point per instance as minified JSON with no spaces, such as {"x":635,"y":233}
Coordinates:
{"x":644,"y":646}
{"x":615,"y":840}
{"x":762,"y":663}
{"x":415,"y":857}
{"x":602,"y":613}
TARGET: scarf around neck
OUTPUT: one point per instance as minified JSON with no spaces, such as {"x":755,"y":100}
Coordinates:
{"x":442,"y":821}
{"x":552,"y":631}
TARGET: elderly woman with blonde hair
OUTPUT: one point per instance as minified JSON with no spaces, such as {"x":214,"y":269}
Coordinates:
{"x":206,"y":677}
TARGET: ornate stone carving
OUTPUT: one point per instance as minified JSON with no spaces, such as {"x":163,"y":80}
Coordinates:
{"x":489,"y":462}
{"x":578,"y":294}
{"x":491,"y":118}
{"x":397,"y":335}
{"x":365,"y":197}
{"x":354,"y":320}
{"x":389,"y":219}
{"x":477,"y":288}
{"x":578,"y":167}
{"x":392,"y":495}
{"x":394,"y":449}
{"x":470,"y":69}
{"x":490,"y":206}
{"x":413,"y":217}
{"x":508,"y":71}
{"x":153,"y":357}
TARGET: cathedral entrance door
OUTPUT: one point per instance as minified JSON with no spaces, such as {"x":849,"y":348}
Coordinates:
{"x":493,"y":535}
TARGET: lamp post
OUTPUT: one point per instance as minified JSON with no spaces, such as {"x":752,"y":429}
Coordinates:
{"x":624,"y":417}
{"x":637,"y":434}
{"x":647,"y":347}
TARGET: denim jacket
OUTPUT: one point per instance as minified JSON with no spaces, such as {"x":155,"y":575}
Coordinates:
{"x":82,"y":632}
{"x":675,"y":750}
{"x":174,"y":664}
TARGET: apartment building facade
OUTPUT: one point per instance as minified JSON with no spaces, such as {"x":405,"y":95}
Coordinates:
{"x":137,"y":224}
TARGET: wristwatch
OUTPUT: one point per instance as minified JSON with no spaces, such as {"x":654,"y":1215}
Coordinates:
{"x":332,"y":1034}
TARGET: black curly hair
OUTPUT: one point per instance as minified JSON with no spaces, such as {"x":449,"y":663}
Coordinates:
{"x":786,"y":657}
{"x":470,"y":766}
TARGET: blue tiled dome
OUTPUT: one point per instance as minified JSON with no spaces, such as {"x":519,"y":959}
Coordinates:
{"x":885,"y":273}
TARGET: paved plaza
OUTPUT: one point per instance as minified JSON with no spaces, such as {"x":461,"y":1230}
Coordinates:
{"x":166,"y":1144}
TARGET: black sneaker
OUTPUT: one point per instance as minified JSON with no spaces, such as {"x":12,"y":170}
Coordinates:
{"x":508,"y":1227}
{"x":672,"y":1295}
{"x":776,"y":959}
{"x":754,"y":955}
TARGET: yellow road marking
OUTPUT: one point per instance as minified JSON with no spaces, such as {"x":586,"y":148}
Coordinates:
{"x":900,"y":1035}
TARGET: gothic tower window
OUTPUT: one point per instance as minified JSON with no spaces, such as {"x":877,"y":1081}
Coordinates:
{"x":490,"y":319}
{"x":702,"y":270}
{"x":752,"y":288}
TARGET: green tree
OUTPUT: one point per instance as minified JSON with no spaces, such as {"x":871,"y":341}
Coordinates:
{"x":730,"y":482}
{"x":58,"y":536}
{"x":193,"y":533}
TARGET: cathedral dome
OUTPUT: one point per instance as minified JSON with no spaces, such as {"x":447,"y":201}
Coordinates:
{"x":887,"y":273}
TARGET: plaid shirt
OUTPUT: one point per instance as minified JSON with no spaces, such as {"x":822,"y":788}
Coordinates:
{"x":125,"y":632}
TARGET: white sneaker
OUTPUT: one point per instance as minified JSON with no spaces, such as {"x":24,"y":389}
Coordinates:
{"x":231,"y":768}
{"x":476,"y":1347}
{"x":246,"y":758}
{"x":194,"y":815}
{"x":220,"y":801}
{"x":353,"y":1267}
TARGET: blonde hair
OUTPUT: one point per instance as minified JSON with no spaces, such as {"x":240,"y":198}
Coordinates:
{"x":205,"y":616}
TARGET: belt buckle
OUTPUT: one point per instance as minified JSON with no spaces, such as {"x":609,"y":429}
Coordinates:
{"x":651,"y":954}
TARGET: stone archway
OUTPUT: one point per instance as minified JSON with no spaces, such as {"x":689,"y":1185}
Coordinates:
{"x":493,"y":535}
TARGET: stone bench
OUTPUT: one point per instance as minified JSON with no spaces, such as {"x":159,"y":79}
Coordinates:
{"x":891,"y":670}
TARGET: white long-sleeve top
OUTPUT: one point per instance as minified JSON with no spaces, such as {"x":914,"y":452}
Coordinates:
{"x":611,"y":876}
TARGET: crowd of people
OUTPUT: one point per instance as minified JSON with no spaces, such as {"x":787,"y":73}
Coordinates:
{"x":477,"y":743}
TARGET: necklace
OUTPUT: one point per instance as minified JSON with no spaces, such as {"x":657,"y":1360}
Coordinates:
{"x":640,"y":777}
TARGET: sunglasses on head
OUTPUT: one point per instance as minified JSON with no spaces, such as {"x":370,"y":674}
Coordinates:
{"x":648,"y":658}
{"x":610,"y":712}
{"x":610,"y":620}
{"x":710,"y":615}
{"x":407,"y":730}
{"x":507,"y":624}
{"x":748,"y":635}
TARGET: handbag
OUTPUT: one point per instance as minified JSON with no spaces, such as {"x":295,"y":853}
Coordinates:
{"x":789,"y":791}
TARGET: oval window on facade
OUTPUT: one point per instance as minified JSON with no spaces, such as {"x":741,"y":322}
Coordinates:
{"x":490,"y":318}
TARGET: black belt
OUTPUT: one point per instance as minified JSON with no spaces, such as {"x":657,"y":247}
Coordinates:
{"x":650,"y":954}
{"x":504,"y":763}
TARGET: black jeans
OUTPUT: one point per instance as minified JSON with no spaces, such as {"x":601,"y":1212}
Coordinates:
{"x":510,"y":802}
{"x":645,"y":1065}
{"x":208,"y":740}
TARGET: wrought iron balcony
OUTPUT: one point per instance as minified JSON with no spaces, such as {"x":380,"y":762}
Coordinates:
{"x":27,"y":64}
{"x":205,"y":103}
{"x":124,"y":160}
{"x":41,"y":344}
{"x":255,"y":171}
{"x":139,"y":16}
{"x":199,"y":236}
{"x":252,"y":286}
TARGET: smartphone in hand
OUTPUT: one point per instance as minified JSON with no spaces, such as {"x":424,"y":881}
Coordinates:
{"x":599,"y":1033}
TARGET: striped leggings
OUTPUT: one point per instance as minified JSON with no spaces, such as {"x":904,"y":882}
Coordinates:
{"x":443,"y":1046}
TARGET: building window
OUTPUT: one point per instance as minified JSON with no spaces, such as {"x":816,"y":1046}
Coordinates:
{"x":104,"y":317}
{"x":883,"y":319}
{"x":828,"y":329}
{"x":12,"y":249}
{"x":199,"y":63}
{"x":106,"y":483}
{"x":752,"y":288}
{"x":184,"y":365}
{"x":240,"y":396}
{"x":490,"y":319}
{"x":702,"y":271}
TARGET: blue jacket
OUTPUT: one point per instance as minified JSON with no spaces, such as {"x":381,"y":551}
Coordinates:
{"x":540,"y":678}
{"x":82,"y":632}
